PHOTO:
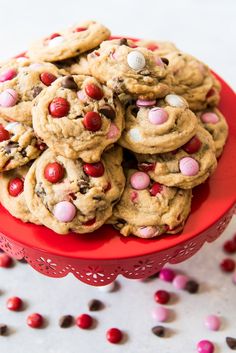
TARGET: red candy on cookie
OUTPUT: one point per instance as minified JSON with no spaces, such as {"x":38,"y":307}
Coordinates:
{"x":94,"y":170}
{"x":92,"y":121}
{"x":4,"y":134}
{"x":193,"y":145}
{"x":15,"y":187}
{"x":54,"y":172}
{"x":59,"y":107}
{"x":47,"y":78}
{"x":93,"y":91}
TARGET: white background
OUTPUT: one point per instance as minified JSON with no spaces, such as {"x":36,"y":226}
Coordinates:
{"x":205,"y":28}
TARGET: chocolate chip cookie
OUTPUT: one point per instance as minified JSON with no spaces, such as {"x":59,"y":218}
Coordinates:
{"x":158,"y":126}
{"x":185,"y":167}
{"x":78,"y":117}
{"x":160,"y":48}
{"x":69,"y":43}
{"x":148,"y":209}
{"x":70,"y":195}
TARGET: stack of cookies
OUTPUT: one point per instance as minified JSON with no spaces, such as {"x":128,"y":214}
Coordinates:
{"x":96,"y":130}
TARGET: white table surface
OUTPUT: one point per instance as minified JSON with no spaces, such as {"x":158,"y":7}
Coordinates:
{"x":205,"y":28}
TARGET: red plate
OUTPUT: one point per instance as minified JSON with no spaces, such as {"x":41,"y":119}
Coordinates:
{"x":98,"y":258}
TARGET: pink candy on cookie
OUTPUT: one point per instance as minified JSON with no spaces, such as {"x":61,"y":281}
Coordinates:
{"x":64,"y":211}
{"x":157,"y":116}
{"x":189,"y":166}
{"x":8,"y":98}
{"x":145,"y":103}
{"x":140,"y":180}
{"x":148,"y":232}
{"x":113,"y":131}
{"x":8,"y":75}
{"x":209,"y":118}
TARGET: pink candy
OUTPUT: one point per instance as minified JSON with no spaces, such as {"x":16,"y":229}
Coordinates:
{"x":159,"y":62}
{"x":113,"y":131}
{"x":212,"y":322}
{"x":8,"y":98}
{"x":167,"y":274}
{"x":8,"y":75}
{"x":134,"y":196}
{"x":82,"y":96}
{"x":188,"y":166}
{"x":157,"y":116}
{"x":205,"y":347}
{"x":140,"y":180}
{"x":64,"y":211}
{"x":147,"y":232}
{"x":180,"y":281}
{"x":160,"y":314}
{"x":209,"y":118}
{"x":145,"y":103}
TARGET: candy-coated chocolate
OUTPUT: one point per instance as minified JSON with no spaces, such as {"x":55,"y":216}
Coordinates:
{"x":157,"y":116}
{"x":94,"y":170}
{"x":114,"y":335}
{"x":92,"y":121}
{"x":140,"y":180}
{"x":54,"y":42}
{"x":160,"y":314}
{"x":5,"y":260}
{"x":8,"y":98}
{"x":212,"y":322}
{"x":135,"y":134}
{"x":145,"y":103}
{"x":193,"y":145}
{"x":113,"y":131}
{"x":54,"y":172}
{"x":162,"y":296}
{"x":155,"y":189}
{"x":209,"y":118}
{"x":136,"y":60}
{"x":148,"y":232}
{"x":14,"y":303}
{"x":47,"y":78}
{"x":15,"y":187}
{"x":205,"y":346}
{"x":64,"y":211}
{"x":188,"y":166}
{"x":93,"y":91}
{"x":4,"y":134}
{"x":167,"y":274}
{"x":8,"y":75}
{"x":227,"y":265}
{"x":84,"y":321}
{"x":59,"y":107}
{"x":180,"y":281}
{"x":35,"y":320}
{"x":175,"y":101}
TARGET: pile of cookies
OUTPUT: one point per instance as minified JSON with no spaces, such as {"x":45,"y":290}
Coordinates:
{"x":96,"y":130}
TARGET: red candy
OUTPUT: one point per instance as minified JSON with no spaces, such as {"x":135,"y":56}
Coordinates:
{"x":59,"y":107}
{"x":47,"y":78}
{"x":155,"y":189}
{"x":114,"y":335}
{"x":35,"y":320}
{"x":92,"y":121}
{"x":162,"y":297}
{"x":54,"y":35}
{"x":54,"y":172}
{"x":15,"y":187}
{"x":5,"y":261}
{"x":80,"y":29}
{"x":14,"y":303}
{"x":193,"y":145}
{"x":4,"y":134}
{"x":90,"y":222}
{"x":84,"y":321}
{"x":93,"y":91}
{"x":230,"y":246}
{"x":210,"y":93}
{"x":152,"y":47}
{"x":227,"y":265}
{"x":94,"y":170}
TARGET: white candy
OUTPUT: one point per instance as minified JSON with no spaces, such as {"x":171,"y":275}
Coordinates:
{"x":22,"y":60}
{"x":11,"y":126}
{"x":175,"y":101}
{"x":135,"y":135}
{"x":55,"y":41}
{"x":35,"y":66}
{"x":136,"y":60}
{"x":107,"y":288}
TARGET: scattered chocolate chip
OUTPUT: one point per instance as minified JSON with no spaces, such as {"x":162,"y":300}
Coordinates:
{"x":108,"y":111}
{"x":83,"y":186}
{"x":95,"y":305}
{"x":123,"y":41}
{"x":134,"y":111}
{"x":192,"y":287}
{"x":66,"y":321}
{"x":165,"y":61}
{"x":159,"y":331}
{"x":231,"y":342}
{"x":3,"y":329}
{"x":69,"y":82}
{"x":23,"y":153}
{"x":36,"y":91}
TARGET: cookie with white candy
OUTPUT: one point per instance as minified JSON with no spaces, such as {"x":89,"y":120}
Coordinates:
{"x":157,"y":126}
{"x":187,"y":166}
{"x":135,"y":71}
{"x":148,"y":209}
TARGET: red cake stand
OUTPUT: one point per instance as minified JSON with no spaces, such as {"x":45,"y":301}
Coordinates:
{"x":98,"y":258}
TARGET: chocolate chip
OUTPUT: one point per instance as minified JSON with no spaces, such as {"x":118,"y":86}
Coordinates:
{"x":36,"y":91}
{"x":66,"y":321}
{"x":192,"y":287}
{"x":83,"y":186}
{"x":69,"y":82}
{"x":231,"y":342}
{"x":108,"y":111}
{"x":134,"y":111}
{"x":123,"y":41}
{"x":165,"y":61}
{"x":3,"y":329}
{"x":159,"y":331}
{"x":23,"y":153}
{"x":95,"y":305}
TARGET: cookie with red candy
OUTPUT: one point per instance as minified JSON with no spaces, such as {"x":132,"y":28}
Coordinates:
{"x":18,"y":145}
{"x":78,"y":117}
{"x":70,"y":195}
{"x":69,"y":42}
{"x":148,"y":209}
{"x":12,"y":195}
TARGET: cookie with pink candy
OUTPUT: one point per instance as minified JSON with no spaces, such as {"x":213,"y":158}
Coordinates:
{"x":157,"y":126}
{"x":214,"y":122}
{"x":12,"y":195}
{"x":185,"y":167}
{"x":69,"y":42}
{"x":148,"y":209}
{"x":20,"y":83}
{"x":70,"y":195}
{"x":193,"y":80}
{"x":78,"y":117}
{"x":135,"y":71}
